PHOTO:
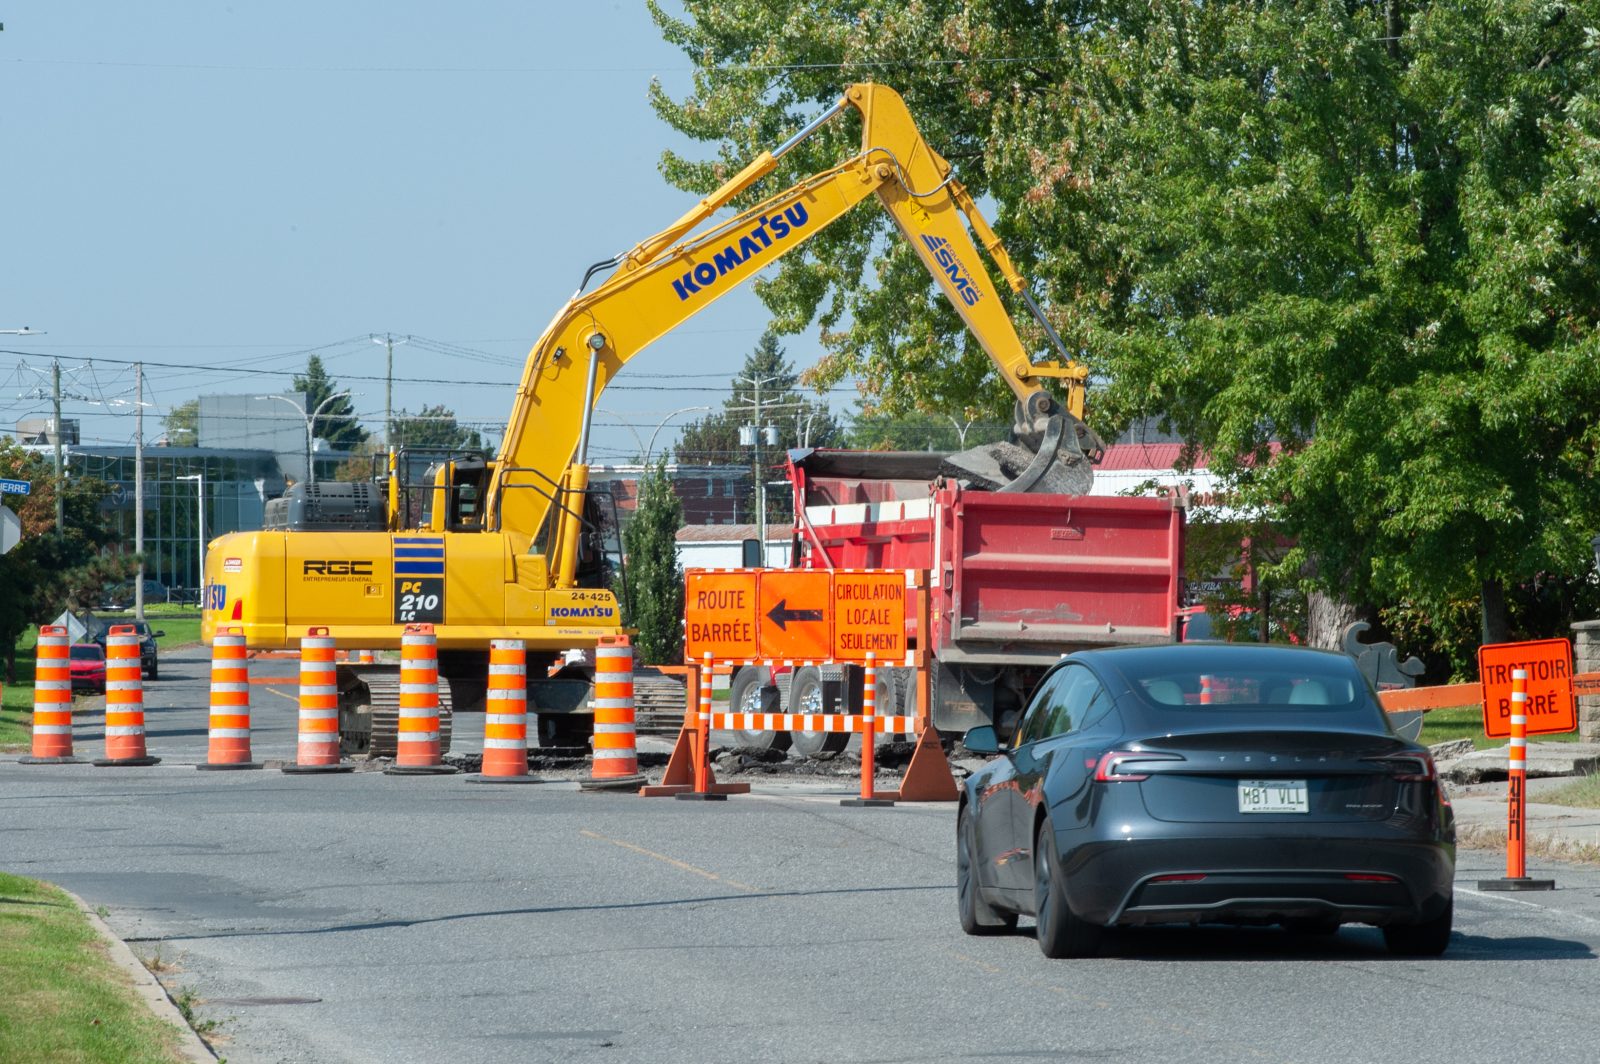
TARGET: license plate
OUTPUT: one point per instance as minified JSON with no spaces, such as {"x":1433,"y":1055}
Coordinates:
{"x":1273,"y":796}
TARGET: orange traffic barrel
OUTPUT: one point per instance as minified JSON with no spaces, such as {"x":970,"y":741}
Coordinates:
{"x":317,"y":747}
{"x":52,"y":700}
{"x":616,"y":755}
{"x":505,"y":720}
{"x":364,"y":657}
{"x":124,"y":701}
{"x":229,"y":734}
{"x":417,"y":750}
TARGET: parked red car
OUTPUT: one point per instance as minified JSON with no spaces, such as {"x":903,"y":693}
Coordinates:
{"x":87,"y":665}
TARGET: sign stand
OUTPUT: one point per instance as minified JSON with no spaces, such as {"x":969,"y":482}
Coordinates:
{"x":689,"y":775}
{"x":1516,"y":877}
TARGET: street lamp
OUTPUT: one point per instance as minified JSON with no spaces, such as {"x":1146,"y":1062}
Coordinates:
{"x":311,"y":419}
{"x":650,"y":448}
{"x":200,"y":547}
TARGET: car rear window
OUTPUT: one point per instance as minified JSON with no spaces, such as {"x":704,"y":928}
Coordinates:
{"x":1309,"y":686}
{"x":87,"y":653}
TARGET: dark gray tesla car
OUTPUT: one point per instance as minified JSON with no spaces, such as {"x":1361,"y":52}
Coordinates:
{"x":1205,"y":783}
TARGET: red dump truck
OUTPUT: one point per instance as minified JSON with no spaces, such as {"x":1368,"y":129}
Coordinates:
{"x":1017,"y":580}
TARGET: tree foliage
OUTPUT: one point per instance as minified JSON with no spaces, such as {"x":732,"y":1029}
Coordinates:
{"x":182,"y":424}
{"x":1347,"y":249}
{"x":433,"y":426}
{"x":653,"y":597}
{"x":714,"y":439}
{"x":47,"y":573}
{"x":337,"y":423}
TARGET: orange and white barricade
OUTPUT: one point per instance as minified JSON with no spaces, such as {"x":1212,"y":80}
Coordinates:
{"x":505,"y":717}
{"x":869,"y":738}
{"x":1516,"y":877}
{"x":417,"y":748}
{"x":228,"y":738}
{"x":616,"y":752}
{"x":52,"y":700}
{"x":125,"y":745}
{"x":317,"y":745}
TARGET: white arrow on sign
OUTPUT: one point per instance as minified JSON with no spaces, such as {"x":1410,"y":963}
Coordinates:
{"x":10,"y":529}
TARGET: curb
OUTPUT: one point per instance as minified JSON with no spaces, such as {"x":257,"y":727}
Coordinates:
{"x":191,"y":1047}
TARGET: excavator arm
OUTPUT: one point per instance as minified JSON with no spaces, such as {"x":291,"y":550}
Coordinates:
{"x":542,"y":465}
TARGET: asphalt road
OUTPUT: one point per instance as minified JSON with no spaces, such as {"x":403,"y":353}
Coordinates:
{"x":373,"y":918}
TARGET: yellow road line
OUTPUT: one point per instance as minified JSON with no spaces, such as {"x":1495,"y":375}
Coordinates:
{"x":674,"y":862}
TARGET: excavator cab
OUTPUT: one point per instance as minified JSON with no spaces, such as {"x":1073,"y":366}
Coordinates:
{"x":441,"y":490}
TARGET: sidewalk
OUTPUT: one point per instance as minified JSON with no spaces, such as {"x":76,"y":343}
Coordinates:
{"x":1553,"y":830}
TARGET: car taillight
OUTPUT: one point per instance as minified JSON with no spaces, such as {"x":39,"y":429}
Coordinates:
{"x":1413,"y":766}
{"x":1180,"y":877}
{"x":1122,"y":766}
{"x":1370,"y":877}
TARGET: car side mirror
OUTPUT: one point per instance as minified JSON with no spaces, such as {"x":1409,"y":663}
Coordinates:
{"x":982,"y":740}
{"x":157,"y":635}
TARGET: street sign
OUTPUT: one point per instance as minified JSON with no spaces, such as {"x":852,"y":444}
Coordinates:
{"x":1550,"y":707}
{"x":719,"y":611}
{"x":15,"y":487}
{"x":793,"y":622}
{"x":795,"y":615}
{"x":10,"y":529}
{"x":869,"y":614}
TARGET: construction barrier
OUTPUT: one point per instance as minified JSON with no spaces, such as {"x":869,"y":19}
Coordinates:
{"x":1516,"y":877}
{"x":52,"y":700}
{"x":505,"y":718}
{"x":317,"y":747}
{"x":125,"y":746}
{"x":616,"y":755}
{"x":417,"y":750}
{"x":228,"y":737}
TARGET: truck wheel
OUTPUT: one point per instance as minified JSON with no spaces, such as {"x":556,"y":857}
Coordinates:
{"x":805,"y":696}
{"x":747,"y":695}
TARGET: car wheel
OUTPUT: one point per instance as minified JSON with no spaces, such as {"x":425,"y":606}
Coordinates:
{"x":978,"y":917}
{"x":1060,"y":932}
{"x":805,"y":696}
{"x":1427,"y":939}
{"x":152,"y":672}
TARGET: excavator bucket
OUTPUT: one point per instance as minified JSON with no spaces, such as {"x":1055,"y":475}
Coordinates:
{"x":1050,"y":452}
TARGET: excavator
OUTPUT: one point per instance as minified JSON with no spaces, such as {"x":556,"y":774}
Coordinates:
{"x":511,"y":547}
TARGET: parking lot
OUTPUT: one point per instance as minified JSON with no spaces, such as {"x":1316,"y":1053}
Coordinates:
{"x":373,"y":918}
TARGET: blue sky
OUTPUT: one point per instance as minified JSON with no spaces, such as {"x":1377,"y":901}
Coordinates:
{"x":221,"y":187}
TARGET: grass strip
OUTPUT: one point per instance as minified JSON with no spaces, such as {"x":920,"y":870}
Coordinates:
{"x":1466,"y":722}
{"x":61,"y":998}
{"x":1583,"y":793}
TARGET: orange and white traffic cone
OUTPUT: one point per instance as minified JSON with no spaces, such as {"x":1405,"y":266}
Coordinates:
{"x":317,"y":747}
{"x":616,"y":754}
{"x":417,"y":750}
{"x":505,"y":719}
{"x":52,"y":700}
{"x":124,"y":701}
{"x":229,"y":745}
{"x":364,"y":657}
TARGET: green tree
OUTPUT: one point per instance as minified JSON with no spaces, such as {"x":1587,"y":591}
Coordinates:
{"x":1347,"y":249}
{"x":46,"y":573}
{"x":337,"y":423}
{"x":182,"y":424}
{"x":653,"y":596}
{"x":874,"y":430}
{"x":434,"y":426}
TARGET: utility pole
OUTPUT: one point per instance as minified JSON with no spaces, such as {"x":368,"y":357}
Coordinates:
{"x":138,"y":487}
{"x":388,"y":342}
{"x":761,"y":477}
{"x":55,"y":389}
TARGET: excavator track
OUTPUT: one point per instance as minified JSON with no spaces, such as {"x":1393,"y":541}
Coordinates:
{"x":369,"y":711}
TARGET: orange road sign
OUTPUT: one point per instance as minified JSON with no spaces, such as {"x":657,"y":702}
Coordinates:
{"x":1550,"y":707}
{"x":719,"y":614}
{"x":795,"y":608}
{"x":869,"y":616}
